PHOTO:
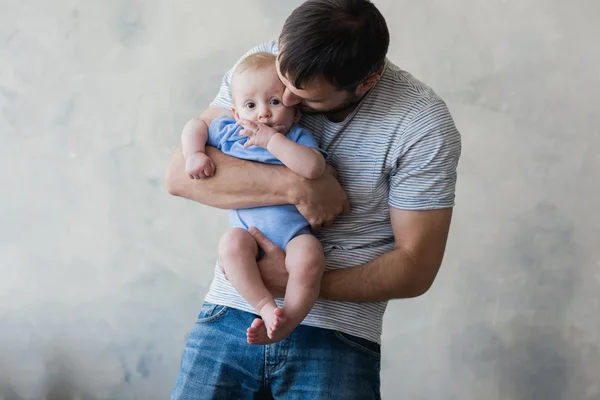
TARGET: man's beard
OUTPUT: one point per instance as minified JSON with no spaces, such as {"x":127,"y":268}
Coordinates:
{"x":350,"y":102}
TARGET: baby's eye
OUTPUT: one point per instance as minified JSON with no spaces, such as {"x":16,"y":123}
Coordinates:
{"x":275,"y":102}
{"x":250,"y":105}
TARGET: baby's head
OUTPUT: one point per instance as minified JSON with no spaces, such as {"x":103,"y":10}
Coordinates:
{"x":256,"y":92}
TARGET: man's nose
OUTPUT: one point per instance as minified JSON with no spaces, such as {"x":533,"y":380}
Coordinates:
{"x":289,"y":99}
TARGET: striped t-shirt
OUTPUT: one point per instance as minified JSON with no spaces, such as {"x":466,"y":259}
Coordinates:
{"x":399,"y":148}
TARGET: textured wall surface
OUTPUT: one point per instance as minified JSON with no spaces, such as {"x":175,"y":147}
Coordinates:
{"x":102,"y":273}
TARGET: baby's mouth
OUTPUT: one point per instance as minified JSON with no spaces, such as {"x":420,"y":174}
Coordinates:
{"x":276,"y":126}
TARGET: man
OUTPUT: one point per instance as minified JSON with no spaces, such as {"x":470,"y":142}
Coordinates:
{"x":395,"y":148}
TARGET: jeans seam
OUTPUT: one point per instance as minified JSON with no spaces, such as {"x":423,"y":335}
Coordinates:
{"x":267,"y":371}
{"x":357,"y":346}
{"x":283,"y":355}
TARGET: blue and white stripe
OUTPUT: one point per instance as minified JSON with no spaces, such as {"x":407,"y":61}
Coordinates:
{"x":399,"y":148}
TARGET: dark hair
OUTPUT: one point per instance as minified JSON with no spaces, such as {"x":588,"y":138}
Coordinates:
{"x":345,"y":41}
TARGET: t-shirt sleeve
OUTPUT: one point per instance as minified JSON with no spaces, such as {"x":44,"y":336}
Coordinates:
{"x":304,"y":137}
{"x":223,"y":98}
{"x":219,"y":130}
{"x":424,"y":174}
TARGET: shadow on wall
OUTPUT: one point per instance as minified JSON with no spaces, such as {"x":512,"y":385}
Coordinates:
{"x":536,"y":352}
{"x":58,"y":384}
{"x":60,"y":387}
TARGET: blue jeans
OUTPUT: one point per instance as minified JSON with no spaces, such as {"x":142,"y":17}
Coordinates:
{"x":311,"y":363}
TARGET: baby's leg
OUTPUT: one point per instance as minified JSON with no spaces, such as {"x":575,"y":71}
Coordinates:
{"x":305,"y":263}
{"x":237,"y":257}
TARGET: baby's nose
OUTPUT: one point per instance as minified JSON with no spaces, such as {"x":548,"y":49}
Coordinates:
{"x":265,"y":112}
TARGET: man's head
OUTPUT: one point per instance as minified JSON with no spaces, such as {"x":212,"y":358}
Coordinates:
{"x":331,"y":53}
{"x":257,"y":91}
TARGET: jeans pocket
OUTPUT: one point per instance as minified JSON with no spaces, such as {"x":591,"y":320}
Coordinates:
{"x":363,"y":345}
{"x":210,"y":313}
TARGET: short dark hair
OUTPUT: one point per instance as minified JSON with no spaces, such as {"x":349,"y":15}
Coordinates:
{"x":345,"y":41}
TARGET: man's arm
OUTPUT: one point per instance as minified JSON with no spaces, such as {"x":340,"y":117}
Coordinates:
{"x":407,"y":271}
{"x":237,"y":183}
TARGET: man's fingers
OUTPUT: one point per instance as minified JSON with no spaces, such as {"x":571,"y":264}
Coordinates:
{"x":262,"y":240}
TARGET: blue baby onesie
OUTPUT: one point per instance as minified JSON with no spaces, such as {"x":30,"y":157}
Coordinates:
{"x":279,"y":224}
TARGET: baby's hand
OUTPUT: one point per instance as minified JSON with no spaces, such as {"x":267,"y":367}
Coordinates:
{"x":258,"y":134}
{"x":199,"y":165}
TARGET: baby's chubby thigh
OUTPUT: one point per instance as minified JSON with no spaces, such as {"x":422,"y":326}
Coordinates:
{"x":236,"y":244}
{"x":305,"y":259}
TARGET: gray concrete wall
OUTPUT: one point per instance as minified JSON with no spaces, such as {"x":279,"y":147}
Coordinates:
{"x":102,"y":273}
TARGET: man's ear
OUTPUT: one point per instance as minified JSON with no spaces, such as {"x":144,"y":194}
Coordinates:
{"x":297,"y":115}
{"x":368,"y":83}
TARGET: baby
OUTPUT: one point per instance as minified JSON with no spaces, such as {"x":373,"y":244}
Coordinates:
{"x":264,"y":130}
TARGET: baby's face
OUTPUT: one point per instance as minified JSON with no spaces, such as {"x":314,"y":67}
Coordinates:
{"x":257,"y":97}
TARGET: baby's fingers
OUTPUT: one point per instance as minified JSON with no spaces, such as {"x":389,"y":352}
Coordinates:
{"x":249,"y":143}
{"x":247,"y":124}
{"x":247,"y":132}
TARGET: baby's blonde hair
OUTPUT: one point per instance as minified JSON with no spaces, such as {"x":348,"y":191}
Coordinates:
{"x":257,"y":61}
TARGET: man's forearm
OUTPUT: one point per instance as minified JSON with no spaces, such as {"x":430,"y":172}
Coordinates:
{"x":390,"y":276}
{"x":237,"y":183}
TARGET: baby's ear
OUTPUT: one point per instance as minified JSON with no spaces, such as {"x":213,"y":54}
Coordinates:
{"x":298,"y":115}
{"x":236,"y":116}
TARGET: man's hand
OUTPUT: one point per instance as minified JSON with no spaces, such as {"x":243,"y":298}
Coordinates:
{"x":321,"y":200}
{"x":272,"y":265}
{"x":258,"y":134}
{"x":199,"y":166}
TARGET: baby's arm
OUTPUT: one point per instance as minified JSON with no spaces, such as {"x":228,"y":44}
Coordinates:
{"x":303,"y":160}
{"x":193,"y":142}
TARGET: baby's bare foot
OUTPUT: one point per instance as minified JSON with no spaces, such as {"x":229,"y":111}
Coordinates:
{"x":272,"y":328}
{"x":279,"y":320}
{"x":257,"y":333}
{"x":268,"y":314}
